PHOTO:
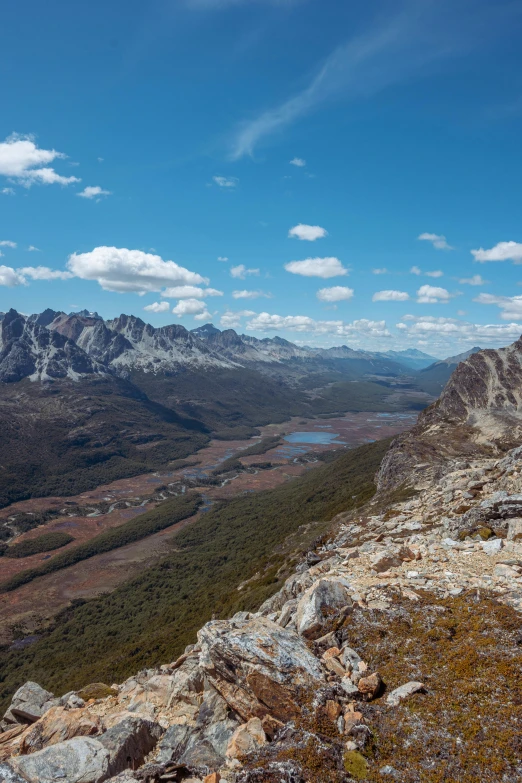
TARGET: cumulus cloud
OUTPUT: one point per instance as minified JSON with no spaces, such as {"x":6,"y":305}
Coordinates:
{"x":336,"y":293}
{"x":124,"y":271}
{"x":309,"y":233}
{"x":189,"y":307}
{"x":317,"y":267}
{"x":464,"y":331}
{"x":44,"y":273}
{"x":24,"y":162}
{"x":510,"y":306}
{"x":415,"y":270}
{"x":380,"y":271}
{"x":189,"y":292}
{"x":437,"y":240}
{"x":240,"y":272}
{"x":157,"y":307}
{"x":503,"y":251}
{"x":250,"y":294}
{"x":475,"y":280}
{"x":7,"y":243}
{"x":93,"y":191}
{"x":430,"y":294}
{"x":204,"y":316}
{"x":435,"y":273}
{"x":390,"y":296}
{"x":266,"y":322}
{"x":222,"y":258}
{"x":299,"y":162}
{"x":226,"y":182}
{"x":232,"y":320}
{"x":9,"y":277}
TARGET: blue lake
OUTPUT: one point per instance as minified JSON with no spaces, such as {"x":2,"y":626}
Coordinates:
{"x":323,"y":438}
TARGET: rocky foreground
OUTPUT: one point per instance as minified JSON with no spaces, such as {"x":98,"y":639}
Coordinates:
{"x":393,"y":653}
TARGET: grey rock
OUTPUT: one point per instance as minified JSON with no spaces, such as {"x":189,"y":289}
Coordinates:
{"x":319,"y":602}
{"x":493,"y":546}
{"x":79,"y":760}
{"x":28,"y":704}
{"x":129,"y":742}
{"x":402,"y":692}
{"x":8,"y":775}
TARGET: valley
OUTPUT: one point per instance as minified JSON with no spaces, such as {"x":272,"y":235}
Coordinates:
{"x":88,"y":514}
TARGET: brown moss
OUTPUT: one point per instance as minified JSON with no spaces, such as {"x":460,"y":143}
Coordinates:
{"x":96,"y":690}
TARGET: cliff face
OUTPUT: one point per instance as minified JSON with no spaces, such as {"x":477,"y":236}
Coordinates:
{"x":478,"y":413}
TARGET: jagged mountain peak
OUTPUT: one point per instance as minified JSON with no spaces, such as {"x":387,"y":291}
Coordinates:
{"x":206,"y":330}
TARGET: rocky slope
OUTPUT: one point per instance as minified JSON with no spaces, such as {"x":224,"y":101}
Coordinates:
{"x":478,"y":413}
{"x":383,"y":658}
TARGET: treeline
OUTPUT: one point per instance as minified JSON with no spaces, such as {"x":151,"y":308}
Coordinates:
{"x":33,"y":546}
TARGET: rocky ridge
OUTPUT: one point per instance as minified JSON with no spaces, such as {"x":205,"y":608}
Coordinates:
{"x":275,"y":694}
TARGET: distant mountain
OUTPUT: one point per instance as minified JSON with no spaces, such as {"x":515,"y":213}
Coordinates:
{"x":434,"y":378}
{"x":87,"y":314}
{"x":411,"y":357}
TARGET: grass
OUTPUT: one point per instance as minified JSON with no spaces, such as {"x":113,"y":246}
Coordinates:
{"x":150,"y":619}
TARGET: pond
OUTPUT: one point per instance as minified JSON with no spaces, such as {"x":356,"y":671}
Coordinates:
{"x":323,"y":438}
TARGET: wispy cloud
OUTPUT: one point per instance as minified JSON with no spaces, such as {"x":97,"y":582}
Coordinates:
{"x":437,"y":240}
{"x":396,"y":49}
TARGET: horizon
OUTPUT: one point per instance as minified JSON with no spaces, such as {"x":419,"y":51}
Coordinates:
{"x":330,"y":175}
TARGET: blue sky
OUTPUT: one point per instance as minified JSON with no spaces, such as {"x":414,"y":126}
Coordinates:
{"x":307,"y":142}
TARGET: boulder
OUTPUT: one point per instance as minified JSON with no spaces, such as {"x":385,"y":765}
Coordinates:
{"x":395,"y":697}
{"x":246,"y":739}
{"x":129,"y":742}
{"x":8,"y":775}
{"x":385,"y":560}
{"x":514,"y":531}
{"x":28,"y":704}
{"x":323,"y":599}
{"x":370,"y":686}
{"x":58,"y":725}
{"x":257,"y":666}
{"x":79,"y":760}
{"x":493,"y":546}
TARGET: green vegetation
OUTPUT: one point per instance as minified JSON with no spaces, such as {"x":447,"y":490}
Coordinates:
{"x":68,"y":438}
{"x":149,"y":620}
{"x":234,"y":463}
{"x":151,"y":522}
{"x":33,"y":546}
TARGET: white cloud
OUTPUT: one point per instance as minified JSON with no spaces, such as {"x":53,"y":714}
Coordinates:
{"x":437,"y":240}
{"x":430,"y":294}
{"x":7,"y":243}
{"x":9,"y":277}
{"x":475,"y":280}
{"x":317,"y":267}
{"x":204,"y":316}
{"x":299,"y":162}
{"x":380,"y":271}
{"x":435,"y":273}
{"x":309,"y":233}
{"x":265,"y":322}
{"x":446,"y":328}
{"x":33,"y":249}
{"x":189,"y":307}
{"x":232,"y":320}
{"x":415,"y":270}
{"x":158,"y":307}
{"x":226,"y":182}
{"x":503,"y":251}
{"x":44,"y":273}
{"x":123,"y":270}
{"x":21,"y":160}
{"x":510,"y":306}
{"x":250,"y":294}
{"x":222,"y":258}
{"x":189,"y":292}
{"x":93,"y":191}
{"x":390,"y":296}
{"x":336,"y":293}
{"x":240,"y":272}
{"x":8,"y":191}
